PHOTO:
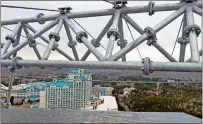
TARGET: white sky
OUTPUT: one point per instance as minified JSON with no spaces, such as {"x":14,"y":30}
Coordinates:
{"x":94,"y":25}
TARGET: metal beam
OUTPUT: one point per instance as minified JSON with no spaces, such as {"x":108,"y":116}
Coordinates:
{"x":133,"y":24}
{"x":120,"y":28}
{"x":200,"y":54}
{"x":197,"y":10}
{"x":154,"y":66}
{"x":125,"y":10}
{"x":146,"y":36}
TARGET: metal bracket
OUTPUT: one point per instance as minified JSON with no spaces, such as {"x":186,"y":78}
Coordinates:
{"x":151,"y":8}
{"x":64,"y":10}
{"x":32,"y":42}
{"x":55,"y":46}
{"x":72,"y":44}
{"x":152,"y":39}
{"x":119,"y":4}
{"x":147,"y":65}
{"x":40,"y":19}
{"x":122,"y":43}
{"x":113,"y":32}
{"x":79,"y":36}
{"x":9,"y":37}
{"x":14,"y":64}
{"x":183,"y":40}
{"x":193,"y":27}
{"x":94,"y":43}
{"x":55,"y":36}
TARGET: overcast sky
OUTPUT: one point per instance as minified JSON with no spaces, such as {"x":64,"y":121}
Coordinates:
{"x":94,"y":25}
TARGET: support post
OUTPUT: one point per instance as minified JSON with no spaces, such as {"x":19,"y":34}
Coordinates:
{"x":200,"y":54}
{"x":121,"y":42}
{"x":71,"y":42}
{"x":192,"y":31}
{"x":37,"y":34}
{"x":81,"y":37}
{"x":146,"y":35}
{"x":54,"y":37}
{"x":183,"y":41}
{"x":11,"y":38}
{"x":113,"y":34}
{"x":11,"y":79}
{"x":96,"y":42}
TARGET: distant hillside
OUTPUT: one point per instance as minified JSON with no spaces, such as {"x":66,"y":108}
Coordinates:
{"x":55,"y":71}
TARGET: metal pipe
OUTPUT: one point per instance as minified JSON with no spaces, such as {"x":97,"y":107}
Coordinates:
{"x":120,"y":28}
{"x":182,"y":44}
{"x":132,"y":65}
{"x":71,"y":41}
{"x":145,"y":36}
{"x":97,"y":54}
{"x":112,"y":37}
{"x":8,"y":41}
{"x":17,"y":40}
{"x":192,"y":36}
{"x":101,"y":35}
{"x":37,"y":34}
{"x":52,"y":40}
{"x":34,"y":47}
{"x":125,"y":10}
{"x":37,"y":52}
{"x":197,"y":10}
{"x":200,"y":54}
{"x":47,"y":41}
{"x":133,"y":24}
{"x":11,"y":79}
{"x":164,"y":52}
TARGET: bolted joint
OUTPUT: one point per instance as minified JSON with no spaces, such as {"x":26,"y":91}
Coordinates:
{"x":118,"y":4}
{"x":152,"y":39}
{"x":32,"y":44}
{"x":193,"y":27}
{"x":146,"y":66}
{"x":122,"y":43}
{"x":2,"y":45}
{"x":113,"y":32}
{"x":72,"y":44}
{"x":14,"y":64}
{"x":54,"y":36}
{"x":12,"y":39}
{"x":151,"y":8}
{"x":183,"y":40}
{"x":55,"y":46}
{"x":95,"y":43}
{"x":79,"y":36}
{"x":39,"y":18}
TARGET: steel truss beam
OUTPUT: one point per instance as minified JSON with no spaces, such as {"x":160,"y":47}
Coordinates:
{"x":126,"y":10}
{"x":154,"y":66}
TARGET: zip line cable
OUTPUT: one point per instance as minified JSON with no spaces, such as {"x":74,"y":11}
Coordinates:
{"x":133,"y":39}
{"x":177,"y":37}
{"x":20,"y":7}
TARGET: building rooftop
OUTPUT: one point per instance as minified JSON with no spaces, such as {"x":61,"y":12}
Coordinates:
{"x":26,"y":115}
{"x":109,"y":104}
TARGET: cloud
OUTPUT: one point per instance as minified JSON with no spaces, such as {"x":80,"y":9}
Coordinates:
{"x":94,"y":25}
